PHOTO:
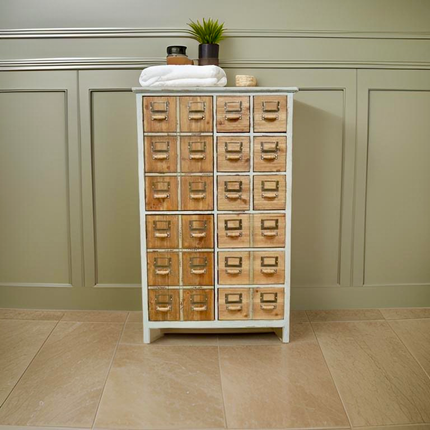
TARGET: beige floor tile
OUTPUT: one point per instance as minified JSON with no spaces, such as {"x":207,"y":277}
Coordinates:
{"x":135,"y":317}
{"x":30,"y":314}
{"x":63,"y":384}
{"x":400,"y":427}
{"x":379,"y":381}
{"x":187,"y":339}
{"x":415,"y":334}
{"x":237,"y":339}
{"x":406,"y":313}
{"x":345,"y":315}
{"x":280,"y":386}
{"x":161,"y":388}
{"x":19,"y":343}
{"x":95,"y":316}
{"x":133,"y":333}
{"x":298,"y":316}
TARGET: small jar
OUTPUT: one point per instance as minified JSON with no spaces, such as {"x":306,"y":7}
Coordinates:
{"x":177,"y":55}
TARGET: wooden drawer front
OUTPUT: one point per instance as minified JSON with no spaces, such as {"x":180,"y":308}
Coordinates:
{"x":197,"y":154}
{"x":159,"y":114}
{"x":197,"y":268}
{"x":269,"y":192}
{"x":269,"y":231}
{"x":269,"y":267}
{"x":232,"y":114}
{"x":162,"y":231}
{"x":268,"y":304}
{"x":198,"y":305}
{"x":161,"y":193}
{"x":234,"y":303}
{"x":196,"y":114}
{"x":270,"y":154}
{"x":164,"y":305}
{"x":160,"y":154}
{"x":234,"y":231}
{"x":270,"y":114}
{"x":197,"y":193}
{"x":197,"y":231}
{"x":233,"y":154}
{"x":233,"y":193}
{"x":234,"y":268}
{"x":163,"y":268}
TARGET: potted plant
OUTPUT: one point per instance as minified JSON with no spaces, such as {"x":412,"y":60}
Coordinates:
{"x":208,"y":34}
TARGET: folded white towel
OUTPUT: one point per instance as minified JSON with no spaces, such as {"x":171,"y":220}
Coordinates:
{"x":183,"y":76}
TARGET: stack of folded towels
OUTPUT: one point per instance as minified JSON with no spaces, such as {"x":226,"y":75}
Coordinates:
{"x":183,"y":76}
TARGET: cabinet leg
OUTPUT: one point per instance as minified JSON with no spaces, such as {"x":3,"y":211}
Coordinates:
{"x":283,"y":334}
{"x":151,"y":335}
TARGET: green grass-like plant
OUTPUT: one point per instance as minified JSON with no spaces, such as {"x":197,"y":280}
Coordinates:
{"x":210,"y":31}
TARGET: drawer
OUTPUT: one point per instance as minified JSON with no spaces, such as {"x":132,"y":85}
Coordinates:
{"x":269,"y":267}
{"x":197,"y":268}
{"x":232,"y":114}
{"x":270,"y":154}
{"x":234,"y":267}
{"x":198,"y":305}
{"x":269,"y":230}
{"x":233,"y":154}
{"x":234,"y":231}
{"x":197,"y":193}
{"x":269,"y":192}
{"x":197,"y":154}
{"x":164,"y":305}
{"x":233,"y":193}
{"x":197,"y":231}
{"x":270,"y":114}
{"x":268,"y":304}
{"x":163,"y":268}
{"x":160,"y":154}
{"x":234,"y":303}
{"x":196,"y":114}
{"x":159,"y":114}
{"x":161,"y":193}
{"x":162,"y":231}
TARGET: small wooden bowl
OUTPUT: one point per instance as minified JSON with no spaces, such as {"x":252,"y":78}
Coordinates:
{"x":246,"y":81}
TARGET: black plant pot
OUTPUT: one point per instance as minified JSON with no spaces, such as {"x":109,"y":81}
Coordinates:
{"x":208,"y":54}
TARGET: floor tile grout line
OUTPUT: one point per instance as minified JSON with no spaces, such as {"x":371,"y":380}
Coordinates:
{"x":108,"y":373}
{"x":332,"y":378}
{"x":222,"y":387}
{"x":29,"y":364}
{"x":407,"y":349}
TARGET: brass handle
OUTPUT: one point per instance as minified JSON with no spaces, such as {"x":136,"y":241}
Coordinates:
{"x":233,"y":271}
{"x":167,"y":308}
{"x":199,"y":196}
{"x":233,"y":157}
{"x":269,"y":117}
{"x":161,"y":195}
{"x":233,"y":117}
{"x":197,"y":157}
{"x":161,"y":235}
{"x":200,"y":308}
{"x":267,"y":195}
{"x":198,"y":234}
{"x":234,"y":308}
{"x":159,"y":117}
{"x":269,"y":156}
{"x":268,"y":271}
{"x":162,"y":271}
{"x":269,"y":233}
{"x":233,"y":196}
{"x":160,"y":156}
{"x":198,"y":271}
{"x":267,"y":307}
{"x":196,"y":117}
{"x":233,"y":233}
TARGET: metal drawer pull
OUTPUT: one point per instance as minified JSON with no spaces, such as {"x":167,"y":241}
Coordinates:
{"x":233,"y":271}
{"x":197,"y":196}
{"x":198,"y":265}
{"x":162,"y":265}
{"x":269,"y":265}
{"x":197,"y":190}
{"x":159,"y":117}
{"x":199,"y":302}
{"x":161,"y":196}
{"x":271,"y":106}
{"x":234,"y":307}
{"x":162,"y":271}
{"x":268,"y":307}
{"x":233,"y":151}
{"x":160,"y":150}
{"x":269,"y":271}
{"x":197,"y":150}
{"x":233,"y":265}
{"x":163,"y":302}
{"x":269,"y":189}
{"x":197,"y":228}
{"x":233,"y":302}
{"x":159,"y":111}
{"x":233,"y":111}
{"x":160,"y":190}
{"x":269,"y":150}
{"x":233,"y":190}
{"x":233,"y":227}
{"x":233,"y":117}
{"x":163,"y":308}
{"x":270,"y":117}
{"x":198,"y":117}
{"x":268,"y":301}
{"x":161,"y":229}
{"x":199,"y":107}
{"x":269,"y":227}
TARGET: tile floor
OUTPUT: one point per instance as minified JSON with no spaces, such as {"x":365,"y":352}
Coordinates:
{"x":344,"y":368}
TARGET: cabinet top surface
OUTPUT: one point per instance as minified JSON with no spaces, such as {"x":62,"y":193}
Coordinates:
{"x":210,"y":90}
